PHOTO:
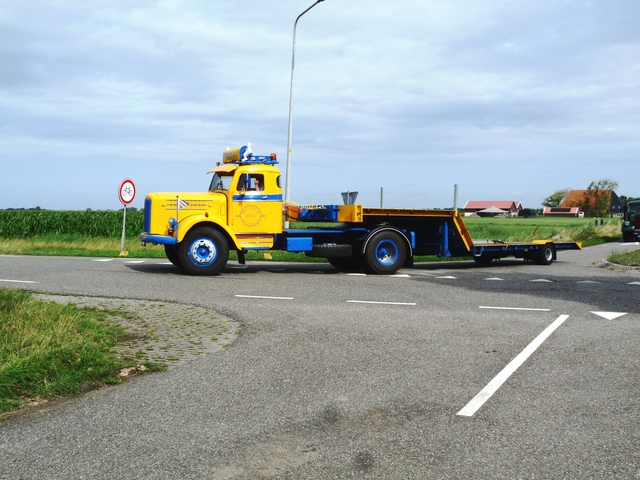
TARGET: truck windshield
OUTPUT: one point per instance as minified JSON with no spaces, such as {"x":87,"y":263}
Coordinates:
{"x":220,"y":182}
{"x":634,"y":207}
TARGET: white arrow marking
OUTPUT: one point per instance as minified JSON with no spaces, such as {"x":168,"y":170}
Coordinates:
{"x":609,"y":315}
{"x":484,"y":395}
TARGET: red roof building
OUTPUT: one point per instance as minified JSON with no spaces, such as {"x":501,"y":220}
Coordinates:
{"x":511,"y":207}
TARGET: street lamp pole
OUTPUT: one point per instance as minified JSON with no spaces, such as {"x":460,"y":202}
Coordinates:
{"x":287,"y":191}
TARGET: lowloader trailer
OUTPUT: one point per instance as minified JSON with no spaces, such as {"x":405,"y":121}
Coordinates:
{"x":243,"y":210}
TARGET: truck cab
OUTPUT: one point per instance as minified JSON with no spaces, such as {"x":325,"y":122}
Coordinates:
{"x":242,"y":210}
{"x":631,"y":221}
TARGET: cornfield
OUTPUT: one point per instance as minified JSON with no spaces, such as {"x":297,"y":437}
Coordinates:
{"x":82,"y":223}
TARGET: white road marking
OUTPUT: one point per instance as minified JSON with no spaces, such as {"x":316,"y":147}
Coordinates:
{"x":633,"y":283}
{"x":265,"y":297}
{"x":103,"y":260}
{"x":357,"y":274}
{"x":134,"y":261}
{"x":495,"y":278}
{"x":472,"y":407}
{"x":381,"y":303}
{"x":588,"y":281}
{"x":16,"y":281}
{"x":400,"y":275}
{"x":609,"y":315}
{"x":542,"y":280}
{"x":448,"y":276}
{"x":518,"y":308}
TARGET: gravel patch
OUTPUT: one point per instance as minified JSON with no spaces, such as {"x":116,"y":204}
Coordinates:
{"x":159,"y":332}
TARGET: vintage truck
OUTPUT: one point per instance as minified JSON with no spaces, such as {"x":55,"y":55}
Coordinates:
{"x":631,"y":221}
{"x":243,"y":210}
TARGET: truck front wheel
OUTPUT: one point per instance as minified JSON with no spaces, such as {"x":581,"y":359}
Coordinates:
{"x":171,"y":251}
{"x":204,"y":251}
{"x":385,"y":253}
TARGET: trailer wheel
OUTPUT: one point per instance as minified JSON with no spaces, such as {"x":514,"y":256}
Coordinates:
{"x":385,"y":253}
{"x":545,"y":254}
{"x":204,"y":251}
{"x":171,"y":251}
{"x":350,"y":264}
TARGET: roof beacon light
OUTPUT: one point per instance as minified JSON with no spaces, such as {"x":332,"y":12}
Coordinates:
{"x":244,"y":156}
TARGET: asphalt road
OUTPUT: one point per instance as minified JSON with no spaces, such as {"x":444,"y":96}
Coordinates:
{"x":443,"y":371}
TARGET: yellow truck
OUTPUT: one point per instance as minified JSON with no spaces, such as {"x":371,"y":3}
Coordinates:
{"x":243,"y":210}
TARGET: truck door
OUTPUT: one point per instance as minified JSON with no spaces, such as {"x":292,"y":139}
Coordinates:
{"x":256,"y":206}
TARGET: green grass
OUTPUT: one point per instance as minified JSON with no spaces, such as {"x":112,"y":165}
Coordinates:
{"x":629,"y":259}
{"x":49,"y":350}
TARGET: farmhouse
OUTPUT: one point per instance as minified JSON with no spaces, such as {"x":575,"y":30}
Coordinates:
{"x":562,"y":212}
{"x":586,"y":202}
{"x":492,"y":207}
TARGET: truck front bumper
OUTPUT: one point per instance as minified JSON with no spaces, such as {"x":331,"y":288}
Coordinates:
{"x":157,"y":239}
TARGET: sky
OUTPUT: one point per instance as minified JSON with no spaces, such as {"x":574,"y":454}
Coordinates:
{"x":399,"y":101}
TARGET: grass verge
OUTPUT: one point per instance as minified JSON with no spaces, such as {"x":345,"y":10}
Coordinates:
{"x":629,"y":259}
{"x":49,"y":350}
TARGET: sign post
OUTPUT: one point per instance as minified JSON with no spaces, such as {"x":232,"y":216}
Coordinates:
{"x":126,"y":194}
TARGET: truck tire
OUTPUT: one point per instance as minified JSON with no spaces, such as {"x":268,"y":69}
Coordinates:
{"x":385,"y":253}
{"x":350,"y":264}
{"x":204,"y":251}
{"x":331,"y":250}
{"x":545,"y":254}
{"x":171,"y":251}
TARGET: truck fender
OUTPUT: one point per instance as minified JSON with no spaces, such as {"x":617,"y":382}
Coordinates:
{"x":187,"y":224}
{"x":367,"y":239}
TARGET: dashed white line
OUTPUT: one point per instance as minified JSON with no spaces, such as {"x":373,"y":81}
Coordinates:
{"x":495,"y":278}
{"x":474,"y":405}
{"x":264,"y":297}
{"x":16,"y":281}
{"x":381,"y":303}
{"x":517,"y":308}
{"x":542,"y":280}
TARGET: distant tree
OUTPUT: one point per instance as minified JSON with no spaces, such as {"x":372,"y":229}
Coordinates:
{"x":597,"y":199}
{"x":624,"y":199}
{"x":556,"y":198}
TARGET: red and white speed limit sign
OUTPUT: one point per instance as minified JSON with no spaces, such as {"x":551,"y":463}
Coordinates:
{"x":127,"y":191}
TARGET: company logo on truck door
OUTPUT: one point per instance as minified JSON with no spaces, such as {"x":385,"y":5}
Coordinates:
{"x":250,"y":215}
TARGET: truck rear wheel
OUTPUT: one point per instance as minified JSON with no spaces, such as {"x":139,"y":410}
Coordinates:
{"x":385,"y":253}
{"x":545,"y":254}
{"x":204,"y":251}
{"x":349,"y":264}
